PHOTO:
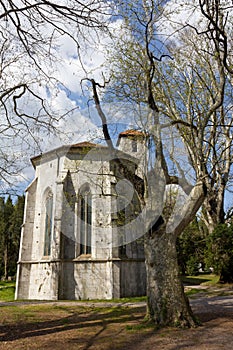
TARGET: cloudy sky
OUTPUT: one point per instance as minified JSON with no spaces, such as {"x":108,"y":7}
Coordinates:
{"x":82,"y":122}
{"x":64,"y":94}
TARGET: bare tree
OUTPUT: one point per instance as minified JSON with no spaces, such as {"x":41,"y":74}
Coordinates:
{"x":213,"y":25}
{"x":201,"y":82}
{"x":218,"y":14}
{"x":31,"y":33}
{"x":174,"y":99}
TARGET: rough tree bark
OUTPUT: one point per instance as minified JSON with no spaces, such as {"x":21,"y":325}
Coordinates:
{"x":167,"y":303}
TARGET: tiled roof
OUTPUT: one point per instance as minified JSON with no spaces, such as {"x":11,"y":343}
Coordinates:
{"x":85,"y":144}
{"x":131,"y":132}
{"x":65,"y":149}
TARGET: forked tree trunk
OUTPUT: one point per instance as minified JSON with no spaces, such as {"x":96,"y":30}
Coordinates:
{"x":213,"y":205}
{"x":167,"y":303}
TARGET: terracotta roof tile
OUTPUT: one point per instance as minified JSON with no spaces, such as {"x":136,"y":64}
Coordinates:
{"x":131,"y":132}
{"x":85,"y":144}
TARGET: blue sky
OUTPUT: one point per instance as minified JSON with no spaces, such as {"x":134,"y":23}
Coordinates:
{"x":82,"y":123}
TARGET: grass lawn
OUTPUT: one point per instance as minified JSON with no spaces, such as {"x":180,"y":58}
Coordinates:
{"x":61,"y":325}
{"x":71,"y":326}
{"x":75,"y":326}
{"x":202,"y":279}
{"x":7,"y":291}
{"x":200,"y":283}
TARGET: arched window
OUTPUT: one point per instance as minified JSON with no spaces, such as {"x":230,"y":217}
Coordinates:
{"x":48,"y":224}
{"x":85,"y":221}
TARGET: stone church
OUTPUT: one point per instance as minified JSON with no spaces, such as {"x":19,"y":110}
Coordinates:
{"x":73,"y":240}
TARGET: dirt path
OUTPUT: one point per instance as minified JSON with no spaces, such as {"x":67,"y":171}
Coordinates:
{"x":216,"y":332}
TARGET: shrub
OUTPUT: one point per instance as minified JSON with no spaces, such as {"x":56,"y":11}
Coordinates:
{"x":219,"y":254}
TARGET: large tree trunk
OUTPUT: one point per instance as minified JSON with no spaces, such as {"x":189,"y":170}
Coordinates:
{"x":167,"y":303}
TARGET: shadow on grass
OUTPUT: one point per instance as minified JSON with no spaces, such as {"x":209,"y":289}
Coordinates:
{"x":89,"y":325}
{"x":194,"y":281}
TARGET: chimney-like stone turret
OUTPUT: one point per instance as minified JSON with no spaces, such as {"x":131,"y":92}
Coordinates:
{"x":134,"y":143}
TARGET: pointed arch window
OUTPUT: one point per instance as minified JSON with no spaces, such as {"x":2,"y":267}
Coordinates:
{"x":85,"y":221}
{"x":48,"y":224}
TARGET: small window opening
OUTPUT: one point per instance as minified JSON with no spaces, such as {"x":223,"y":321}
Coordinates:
{"x":134,"y":146}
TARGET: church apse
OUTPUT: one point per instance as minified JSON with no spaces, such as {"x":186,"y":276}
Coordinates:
{"x":78,"y":249}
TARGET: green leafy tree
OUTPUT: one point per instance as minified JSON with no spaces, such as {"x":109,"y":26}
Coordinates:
{"x":2,"y":230}
{"x":191,"y":246}
{"x":14,"y":235}
{"x":11,"y":218}
{"x":219,"y":253}
{"x":7,"y":210}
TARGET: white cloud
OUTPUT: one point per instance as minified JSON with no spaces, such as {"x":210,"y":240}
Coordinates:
{"x":89,"y":61}
{"x":177,"y":14}
{"x":66,"y":65}
{"x":180,"y":13}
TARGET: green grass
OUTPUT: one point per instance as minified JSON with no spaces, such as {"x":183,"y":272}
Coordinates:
{"x":16,"y":313}
{"x":140,"y":326}
{"x":193,"y":291}
{"x":128,"y":300}
{"x":6,"y":284}
{"x":203,"y":279}
{"x":7,"y":291}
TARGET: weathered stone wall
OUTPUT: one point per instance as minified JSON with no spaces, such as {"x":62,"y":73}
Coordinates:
{"x":126,"y":145}
{"x":23,"y":281}
{"x":132,"y":278}
{"x":25,"y":250}
{"x":44,"y":280}
{"x":87,"y":280}
{"x":82,"y":280}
